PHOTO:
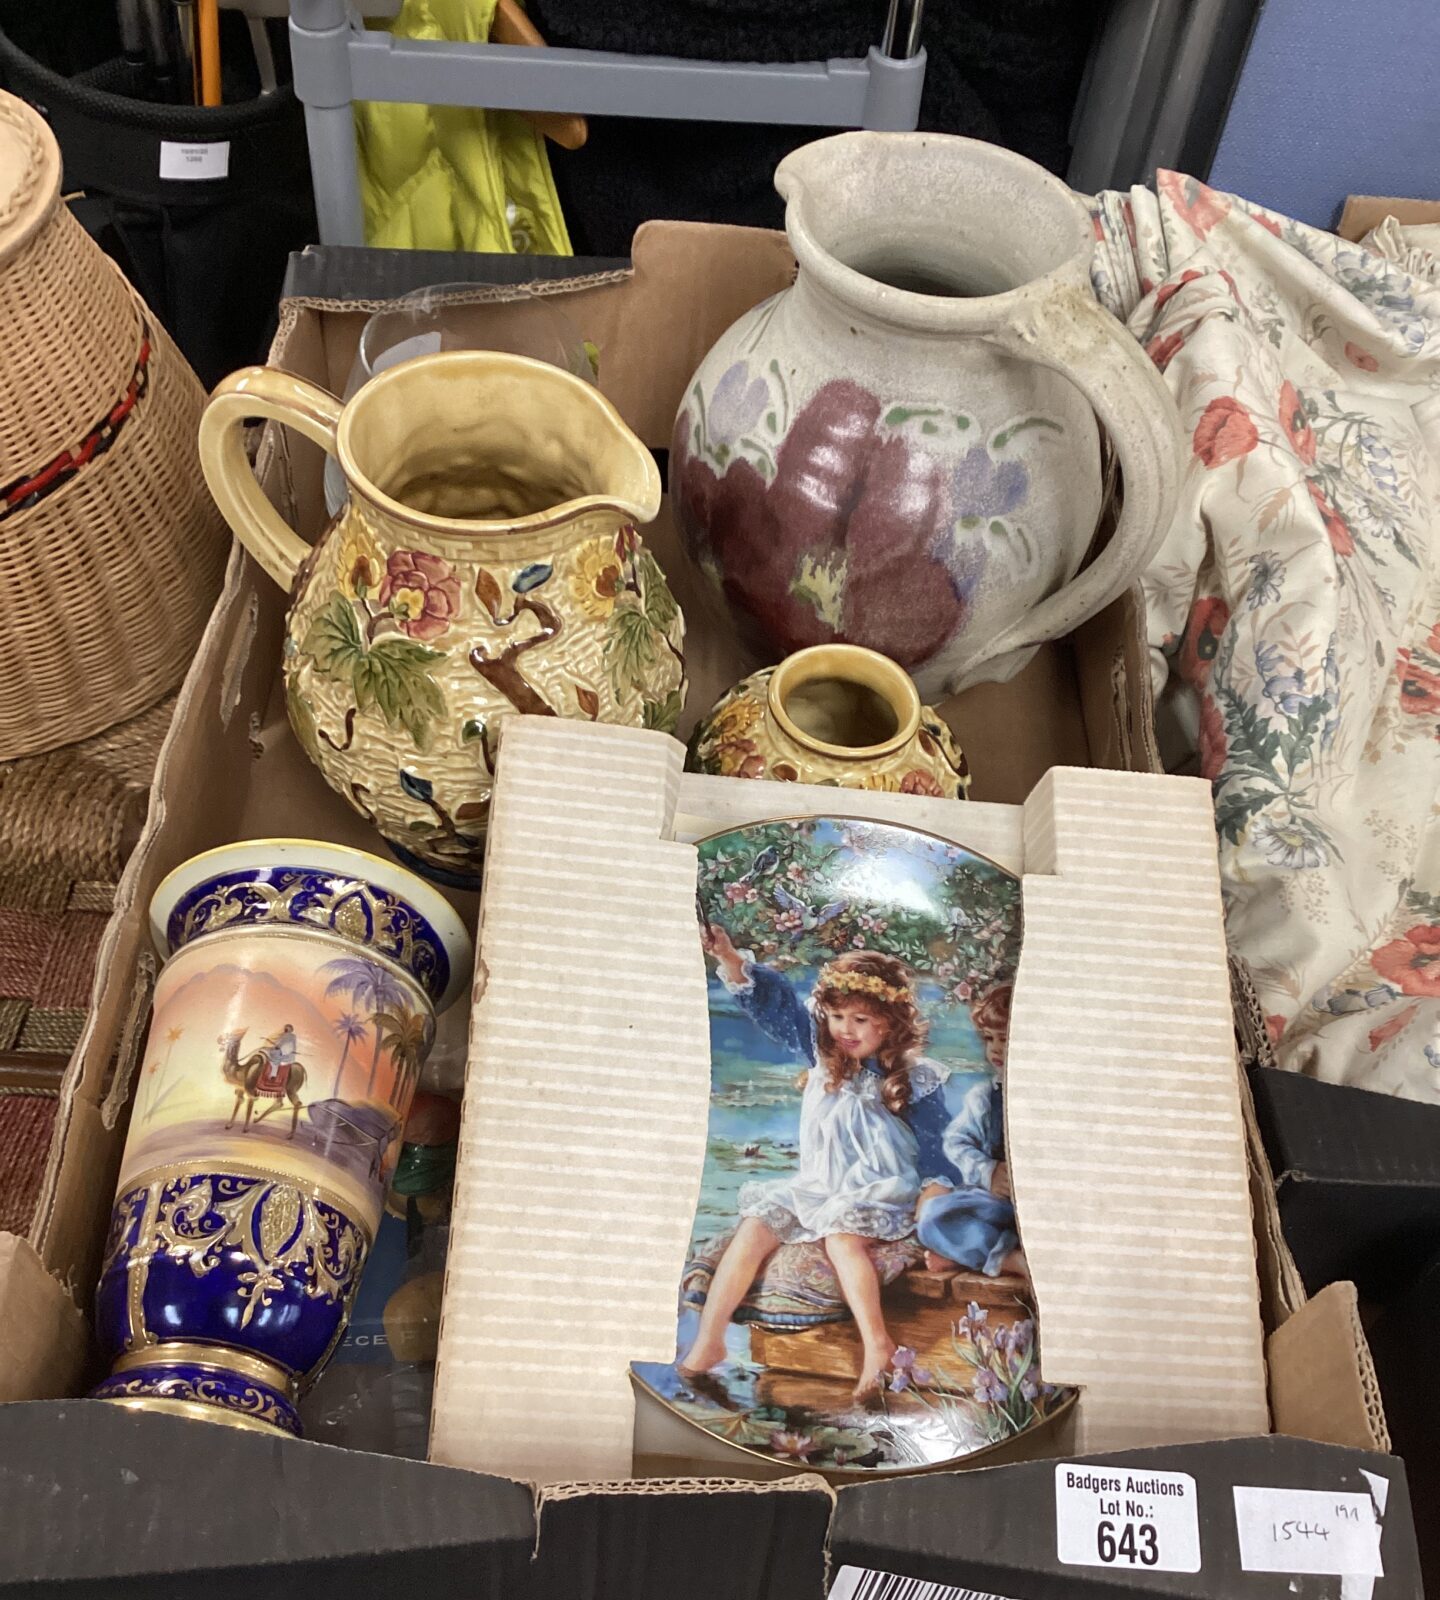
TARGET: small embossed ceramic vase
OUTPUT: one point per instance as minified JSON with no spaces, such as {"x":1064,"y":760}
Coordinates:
{"x":291,"y":1021}
{"x":486,"y":562}
{"x":836,"y":714}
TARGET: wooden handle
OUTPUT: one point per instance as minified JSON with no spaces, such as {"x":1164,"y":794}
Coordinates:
{"x":208,"y":27}
{"x":512,"y":26}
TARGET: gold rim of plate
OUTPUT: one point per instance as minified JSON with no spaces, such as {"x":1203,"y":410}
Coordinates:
{"x":989,"y":1455}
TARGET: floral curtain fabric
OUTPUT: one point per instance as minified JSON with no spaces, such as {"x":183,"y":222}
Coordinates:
{"x":1294,"y":608}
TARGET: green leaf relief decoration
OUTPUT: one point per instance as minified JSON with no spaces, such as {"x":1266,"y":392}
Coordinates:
{"x":629,"y":647}
{"x":392,"y":675}
{"x":302,"y":720}
{"x":334,"y":638}
{"x":660,"y":608}
{"x":663,"y":714}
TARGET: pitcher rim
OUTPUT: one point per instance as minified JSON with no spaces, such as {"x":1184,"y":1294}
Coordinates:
{"x":905,"y":307}
{"x":503,"y":527}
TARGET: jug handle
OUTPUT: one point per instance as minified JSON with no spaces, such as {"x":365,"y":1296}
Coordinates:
{"x":261,"y":392}
{"x":1070,"y":332}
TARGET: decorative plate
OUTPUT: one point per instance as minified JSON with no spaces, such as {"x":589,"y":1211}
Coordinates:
{"x":855,"y":1298}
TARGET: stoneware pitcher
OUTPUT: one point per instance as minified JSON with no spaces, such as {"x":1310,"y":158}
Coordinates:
{"x":901,"y":450}
{"x":486,"y":562}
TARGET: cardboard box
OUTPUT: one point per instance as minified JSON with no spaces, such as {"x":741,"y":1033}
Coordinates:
{"x":1357,"y":1181}
{"x":1366,"y":211}
{"x":143,"y":1496}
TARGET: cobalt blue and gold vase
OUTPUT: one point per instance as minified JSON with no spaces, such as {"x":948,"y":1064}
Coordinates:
{"x":292,"y":1017}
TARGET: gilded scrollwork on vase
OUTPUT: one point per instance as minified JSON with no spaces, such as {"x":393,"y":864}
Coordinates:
{"x":284,"y":1236}
{"x":226,"y":1391}
{"x":359,"y":912}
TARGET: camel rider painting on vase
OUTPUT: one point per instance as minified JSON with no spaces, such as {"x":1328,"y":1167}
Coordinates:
{"x":280,"y":1052}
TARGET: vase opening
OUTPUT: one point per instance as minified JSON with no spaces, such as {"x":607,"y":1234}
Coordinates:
{"x":906,"y":225}
{"x":843,"y":700}
{"x":473,"y":437}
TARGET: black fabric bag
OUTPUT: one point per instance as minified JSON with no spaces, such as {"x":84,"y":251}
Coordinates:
{"x":208,"y":253}
{"x":1004,"y":70}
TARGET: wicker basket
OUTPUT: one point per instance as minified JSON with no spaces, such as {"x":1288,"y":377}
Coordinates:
{"x":110,"y":547}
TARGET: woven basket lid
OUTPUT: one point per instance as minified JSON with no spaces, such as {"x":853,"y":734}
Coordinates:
{"x":29,"y":173}
{"x":70,"y":320}
{"x":112,"y":547}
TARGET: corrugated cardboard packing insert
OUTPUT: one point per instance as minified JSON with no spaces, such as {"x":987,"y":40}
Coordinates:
{"x":1141,"y":1185}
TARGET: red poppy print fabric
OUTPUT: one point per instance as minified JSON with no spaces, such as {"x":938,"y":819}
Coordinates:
{"x":1294,"y":608}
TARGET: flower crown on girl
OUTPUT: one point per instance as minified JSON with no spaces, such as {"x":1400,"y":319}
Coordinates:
{"x":847,"y":982}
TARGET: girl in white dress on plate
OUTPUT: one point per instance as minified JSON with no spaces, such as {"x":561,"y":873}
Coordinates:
{"x":858,"y":1176}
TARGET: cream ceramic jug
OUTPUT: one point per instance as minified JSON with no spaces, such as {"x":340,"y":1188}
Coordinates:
{"x":486,"y":562}
{"x":901,"y":450}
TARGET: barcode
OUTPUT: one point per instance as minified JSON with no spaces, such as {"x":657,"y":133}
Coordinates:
{"x":859,"y":1583}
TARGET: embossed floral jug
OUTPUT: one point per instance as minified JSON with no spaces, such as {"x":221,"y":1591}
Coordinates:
{"x":901,"y":450}
{"x":486,"y":563}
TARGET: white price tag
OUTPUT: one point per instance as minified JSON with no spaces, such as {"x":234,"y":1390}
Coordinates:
{"x":1118,"y":1517}
{"x":194,"y":160}
{"x":1308,"y":1530}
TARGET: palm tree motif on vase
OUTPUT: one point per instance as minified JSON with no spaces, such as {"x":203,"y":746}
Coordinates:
{"x":371,"y":987}
{"x":406,"y":1035}
{"x":351,"y":1030}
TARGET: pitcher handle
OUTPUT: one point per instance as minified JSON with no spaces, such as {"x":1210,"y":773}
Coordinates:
{"x":1069,"y":332}
{"x":261,"y":392}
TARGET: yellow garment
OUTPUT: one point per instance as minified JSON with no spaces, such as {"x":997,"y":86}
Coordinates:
{"x":450,"y":178}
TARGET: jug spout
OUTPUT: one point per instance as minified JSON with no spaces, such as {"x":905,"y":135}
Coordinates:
{"x":475,"y":442}
{"x":927,"y":231}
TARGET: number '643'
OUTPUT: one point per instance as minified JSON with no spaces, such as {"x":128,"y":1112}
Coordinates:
{"x":1135,"y":1542}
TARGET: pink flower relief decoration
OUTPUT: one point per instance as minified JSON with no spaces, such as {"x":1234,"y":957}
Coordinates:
{"x":422,"y":592}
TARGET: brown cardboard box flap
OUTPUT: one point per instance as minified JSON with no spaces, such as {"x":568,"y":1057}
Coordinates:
{"x":1366,"y":211}
{"x":1322,"y":1380}
{"x":45,"y":1338}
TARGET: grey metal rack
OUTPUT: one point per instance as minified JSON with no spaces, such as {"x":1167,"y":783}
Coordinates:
{"x":336,"y":61}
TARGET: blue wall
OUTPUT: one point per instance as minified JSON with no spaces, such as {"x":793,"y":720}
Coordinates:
{"x":1336,"y":97}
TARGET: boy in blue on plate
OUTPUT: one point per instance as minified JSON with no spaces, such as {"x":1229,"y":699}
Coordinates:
{"x":970,"y":1223}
